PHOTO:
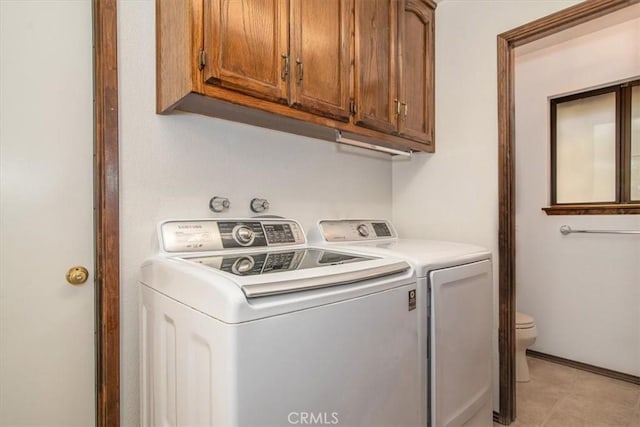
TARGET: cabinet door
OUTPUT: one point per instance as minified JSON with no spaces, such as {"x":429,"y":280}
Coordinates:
{"x":321,"y":56}
{"x":375,"y":65}
{"x":416,"y":70}
{"x":246,"y":42}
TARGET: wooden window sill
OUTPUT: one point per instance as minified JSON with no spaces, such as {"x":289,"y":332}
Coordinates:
{"x":600,"y":209}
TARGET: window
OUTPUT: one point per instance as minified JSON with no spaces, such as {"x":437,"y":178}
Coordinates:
{"x":595,"y":151}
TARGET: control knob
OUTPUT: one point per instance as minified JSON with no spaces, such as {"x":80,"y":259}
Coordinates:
{"x":219,"y":204}
{"x":243,"y":235}
{"x":363,"y":230}
{"x":259,"y":205}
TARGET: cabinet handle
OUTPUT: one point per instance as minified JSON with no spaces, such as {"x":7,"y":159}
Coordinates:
{"x":405,"y":109}
{"x":397,"y":105}
{"x":284,"y":75}
{"x":300,"y":70}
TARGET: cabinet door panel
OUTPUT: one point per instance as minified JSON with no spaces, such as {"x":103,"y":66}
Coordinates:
{"x":375,"y":73}
{"x":416,"y":70}
{"x":244,"y":42}
{"x":321,"y":56}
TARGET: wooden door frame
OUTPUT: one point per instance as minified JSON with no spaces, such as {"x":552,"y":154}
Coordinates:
{"x":507,"y":42}
{"x":106,"y":212}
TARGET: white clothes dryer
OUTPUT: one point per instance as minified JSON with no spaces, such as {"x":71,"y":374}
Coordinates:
{"x":454,"y":298}
{"x":243,"y":324}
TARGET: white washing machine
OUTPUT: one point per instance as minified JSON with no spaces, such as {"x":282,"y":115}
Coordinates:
{"x":455,"y":305}
{"x":243,"y":324}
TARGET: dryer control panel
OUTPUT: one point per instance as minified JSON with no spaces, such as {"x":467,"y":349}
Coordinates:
{"x":356,"y":230}
{"x":213,"y":235}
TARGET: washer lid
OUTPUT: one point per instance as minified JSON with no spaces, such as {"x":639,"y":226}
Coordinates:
{"x":257,"y":272}
{"x":524,"y":321}
{"x":235,"y":298}
{"x":266,"y":262}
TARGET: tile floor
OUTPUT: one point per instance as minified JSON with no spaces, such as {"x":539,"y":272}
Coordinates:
{"x":559,"y":396}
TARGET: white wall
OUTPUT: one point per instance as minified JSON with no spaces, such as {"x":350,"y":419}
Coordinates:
{"x":172,"y":165}
{"x":453,"y":194}
{"x":582,"y":290}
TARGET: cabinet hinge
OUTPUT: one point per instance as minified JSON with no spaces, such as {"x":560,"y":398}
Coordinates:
{"x":202,"y":59}
{"x":352,"y":106}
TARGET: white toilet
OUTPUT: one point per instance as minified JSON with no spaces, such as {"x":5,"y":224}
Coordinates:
{"x":526,"y":334}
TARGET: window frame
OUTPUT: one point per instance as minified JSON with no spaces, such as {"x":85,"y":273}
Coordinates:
{"x":623,"y":203}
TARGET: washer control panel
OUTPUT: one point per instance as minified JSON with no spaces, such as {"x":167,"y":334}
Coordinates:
{"x":356,"y":230}
{"x":213,"y":235}
{"x":236,"y":234}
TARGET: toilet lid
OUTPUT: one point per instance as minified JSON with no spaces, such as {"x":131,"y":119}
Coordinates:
{"x":524,"y":321}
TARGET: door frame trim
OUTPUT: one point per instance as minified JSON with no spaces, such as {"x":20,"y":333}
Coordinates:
{"x":106,"y":213}
{"x":507,"y":42}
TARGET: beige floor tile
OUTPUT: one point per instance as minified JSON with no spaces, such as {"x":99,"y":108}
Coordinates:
{"x":599,"y":388}
{"x":551,"y":374}
{"x":559,"y":419}
{"x":559,"y":396}
{"x":534,"y":405}
{"x":596,"y":411}
{"x":536,"y":398}
{"x":539,"y":389}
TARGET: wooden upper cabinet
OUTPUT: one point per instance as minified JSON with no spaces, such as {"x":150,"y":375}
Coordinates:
{"x":375,"y":64}
{"x":246,"y":46}
{"x":415,"y":29}
{"x":321,"y":56}
{"x":311,"y":67}
{"x":394,"y":75}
